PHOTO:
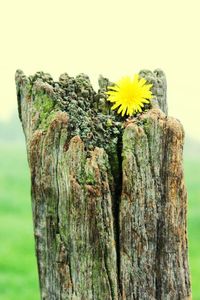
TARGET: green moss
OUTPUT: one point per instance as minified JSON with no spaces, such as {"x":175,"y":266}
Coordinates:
{"x":90,"y":179}
{"x":129,"y":140}
{"x":44,"y":105}
{"x":80,"y":176}
{"x":109,"y":123}
{"x":46,"y":120}
{"x":28,"y":88}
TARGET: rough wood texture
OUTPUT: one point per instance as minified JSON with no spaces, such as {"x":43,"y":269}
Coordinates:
{"x":108,"y":194}
{"x":153,"y":242}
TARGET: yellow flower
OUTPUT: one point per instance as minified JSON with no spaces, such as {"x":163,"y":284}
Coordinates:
{"x":129,"y":94}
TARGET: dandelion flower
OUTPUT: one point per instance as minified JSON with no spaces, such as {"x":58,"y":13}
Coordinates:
{"x":129,"y":95}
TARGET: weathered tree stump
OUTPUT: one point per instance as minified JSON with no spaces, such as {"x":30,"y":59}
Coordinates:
{"x":108,"y":195}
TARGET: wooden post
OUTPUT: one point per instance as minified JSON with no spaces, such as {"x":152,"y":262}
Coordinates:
{"x":108,"y":194}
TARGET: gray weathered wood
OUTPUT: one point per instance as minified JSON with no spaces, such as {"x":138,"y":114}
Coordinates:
{"x":153,"y":207}
{"x":108,"y":194}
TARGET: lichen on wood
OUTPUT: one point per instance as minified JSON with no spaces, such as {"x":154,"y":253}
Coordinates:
{"x":108,"y":195}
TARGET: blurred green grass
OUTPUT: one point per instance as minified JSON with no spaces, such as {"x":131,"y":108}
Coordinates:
{"x":18,"y":268}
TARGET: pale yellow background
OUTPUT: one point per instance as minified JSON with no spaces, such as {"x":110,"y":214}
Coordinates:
{"x":113,"y":37}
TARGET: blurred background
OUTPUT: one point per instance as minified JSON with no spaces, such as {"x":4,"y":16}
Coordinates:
{"x":112,"y":38}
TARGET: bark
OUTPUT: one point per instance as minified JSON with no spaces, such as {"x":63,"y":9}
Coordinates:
{"x":108,"y":194}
